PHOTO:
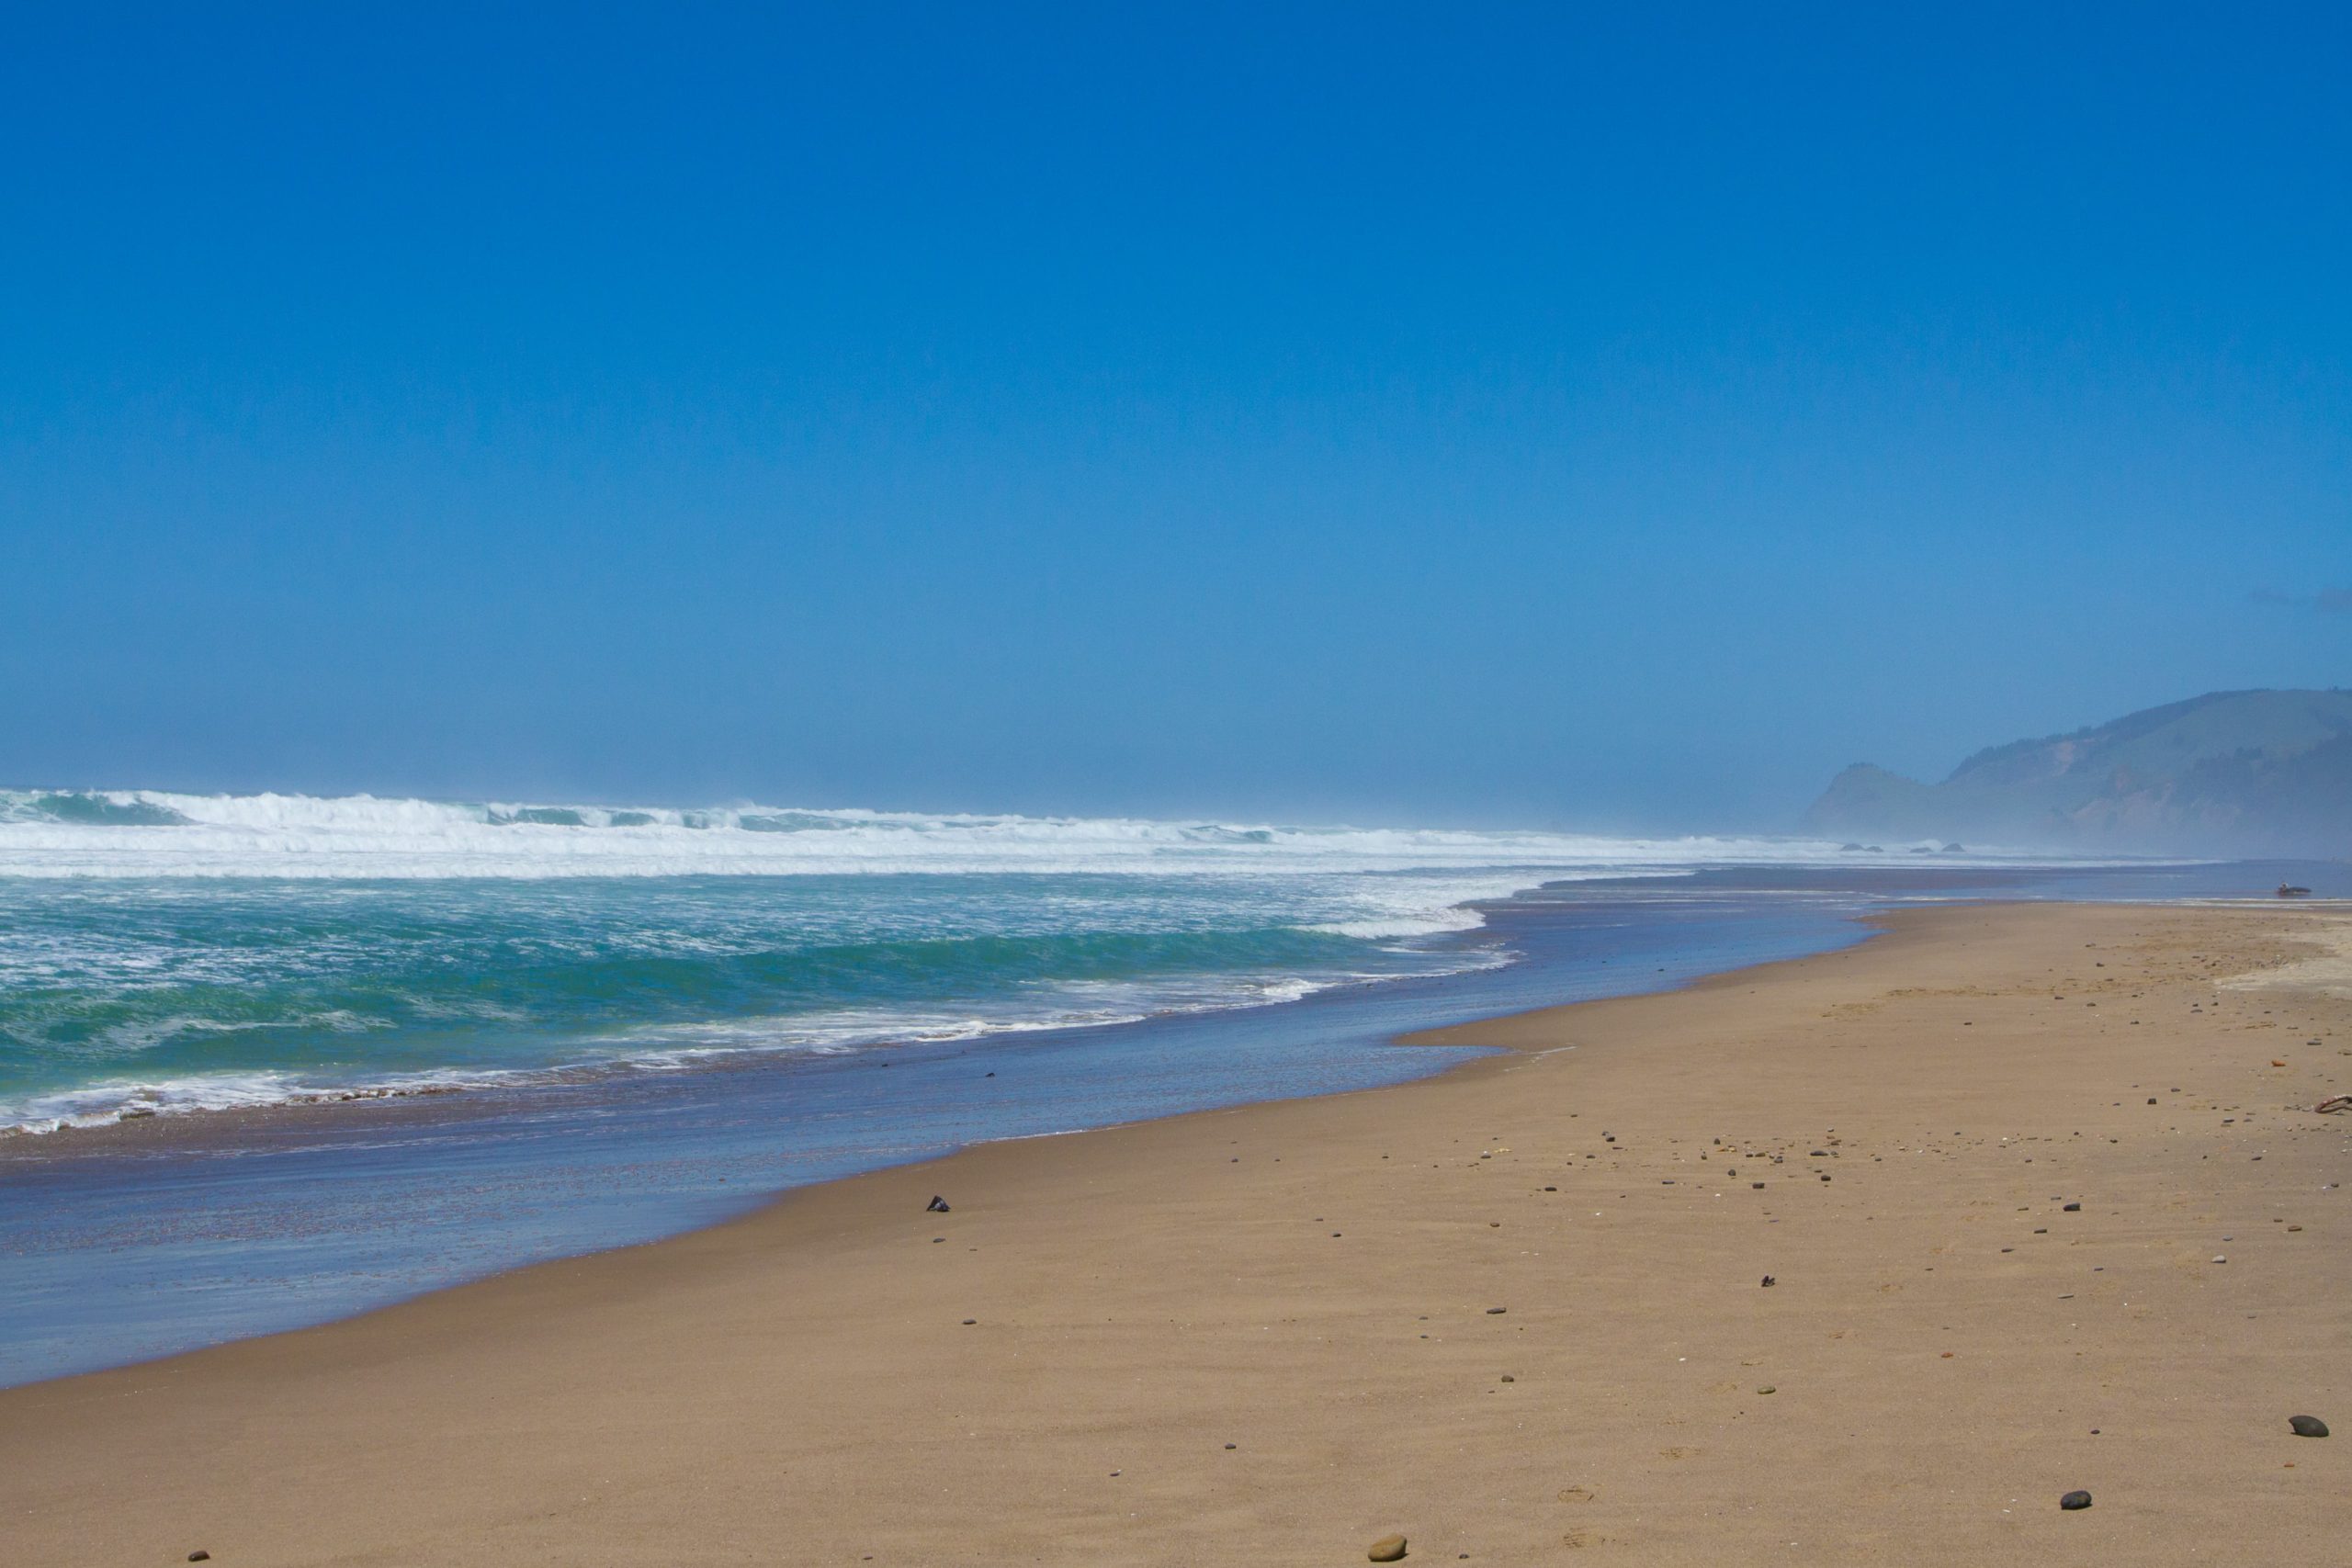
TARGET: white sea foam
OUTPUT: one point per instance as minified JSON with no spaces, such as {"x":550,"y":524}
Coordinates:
{"x":152,"y":833}
{"x":1076,"y":1004}
{"x":98,"y":1104}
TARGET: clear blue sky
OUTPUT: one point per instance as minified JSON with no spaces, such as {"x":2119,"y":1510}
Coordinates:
{"x":1438,"y":414}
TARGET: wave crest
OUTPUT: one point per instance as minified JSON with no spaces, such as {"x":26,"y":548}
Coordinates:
{"x":147,"y":833}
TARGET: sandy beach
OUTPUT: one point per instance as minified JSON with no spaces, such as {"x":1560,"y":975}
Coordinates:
{"x":1992,"y":1163}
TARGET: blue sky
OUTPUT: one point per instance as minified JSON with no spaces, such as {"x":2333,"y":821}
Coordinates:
{"x":1412,"y":413}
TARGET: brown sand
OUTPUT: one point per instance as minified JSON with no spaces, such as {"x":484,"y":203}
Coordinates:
{"x":1265,"y":1335}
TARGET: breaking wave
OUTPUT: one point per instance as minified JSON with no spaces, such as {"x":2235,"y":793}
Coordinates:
{"x":152,"y":833}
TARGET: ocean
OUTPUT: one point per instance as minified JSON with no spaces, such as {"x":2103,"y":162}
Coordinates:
{"x":267,"y":1060}
{"x":168,"y":953}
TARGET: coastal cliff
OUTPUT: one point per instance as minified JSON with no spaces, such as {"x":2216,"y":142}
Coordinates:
{"x":2236,"y":773}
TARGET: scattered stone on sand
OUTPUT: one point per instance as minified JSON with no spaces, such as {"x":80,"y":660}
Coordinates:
{"x":1769,"y":1281}
{"x":2074,"y":1500}
{"x":1497,"y":1312}
{"x":2072,"y":1209}
{"x":937,"y":1205}
{"x":200,"y":1555}
{"x":1767,"y":1388}
{"x":1388,"y":1549}
{"x":969,"y":1321}
{"x":1508,"y":1377}
{"x":1231,"y":1447}
{"x":2307,"y":1426}
{"x":2219,"y":1259}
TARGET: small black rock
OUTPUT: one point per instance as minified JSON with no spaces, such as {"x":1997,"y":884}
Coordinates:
{"x":2308,"y":1426}
{"x":937,"y":1205}
{"x":1767,"y":1282}
{"x":2072,"y":1208}
{"x":2072,"y":1500}
{"x":200,"y":1555}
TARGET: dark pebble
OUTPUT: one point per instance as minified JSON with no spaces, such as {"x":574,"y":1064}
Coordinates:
{"x":1231,"y":1447}
{"x":2072,"y":1500}
{"x":2072,"y":1209}
{"x":1767,"y":1282}
{"x":2308,"y":1426}
{"x":937,"y":1205}
{"x":1497,"y":1312}
{"x":200,"y":1555}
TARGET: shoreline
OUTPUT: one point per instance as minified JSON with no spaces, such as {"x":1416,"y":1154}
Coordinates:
{"x":1198,"y":1247}
{"x":331,"y":1108}
{"x":422,"y":1093}
{"x":336,"y":1211}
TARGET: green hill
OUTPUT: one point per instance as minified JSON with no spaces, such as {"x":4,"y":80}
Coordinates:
{"x":2241,"y":773}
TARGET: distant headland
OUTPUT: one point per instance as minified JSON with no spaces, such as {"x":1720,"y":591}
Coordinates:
{"x":2229,"y":773}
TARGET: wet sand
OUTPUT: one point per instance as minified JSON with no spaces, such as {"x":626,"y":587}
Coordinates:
{"x":1270,"y":1335}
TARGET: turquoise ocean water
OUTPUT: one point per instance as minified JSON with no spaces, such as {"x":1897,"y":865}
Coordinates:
{"x":164,"y":954}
